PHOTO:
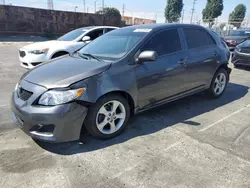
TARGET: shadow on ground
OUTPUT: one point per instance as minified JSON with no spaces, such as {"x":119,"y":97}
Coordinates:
{"x":154,"y":120}
{"x":241,"y":67}
{"x":22,"y":39}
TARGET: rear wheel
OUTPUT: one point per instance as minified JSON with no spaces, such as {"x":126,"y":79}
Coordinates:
{"x":219,"y":83}
{"x":108,"y":117}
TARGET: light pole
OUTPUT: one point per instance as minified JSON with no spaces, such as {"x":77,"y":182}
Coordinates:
{"x":75,"y":8}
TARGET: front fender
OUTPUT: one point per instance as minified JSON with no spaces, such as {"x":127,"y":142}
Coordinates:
{"x":108,"y":81}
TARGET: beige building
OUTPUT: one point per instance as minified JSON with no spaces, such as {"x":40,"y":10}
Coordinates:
{"x":137,"y":21}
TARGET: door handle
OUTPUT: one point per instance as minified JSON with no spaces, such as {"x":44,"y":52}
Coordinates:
{"x":182,"y":62}
{"x":215,"y":53}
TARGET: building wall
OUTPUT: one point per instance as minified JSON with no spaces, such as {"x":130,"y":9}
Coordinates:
{"x":137,"y":21}
{"x":23,"y":20}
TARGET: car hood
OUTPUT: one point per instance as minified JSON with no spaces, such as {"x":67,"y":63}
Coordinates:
{"x":47,"y":44}
{"x":236,"y":38}
{"x":64,"y":71}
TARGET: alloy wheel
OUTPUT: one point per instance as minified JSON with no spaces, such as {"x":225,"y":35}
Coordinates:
{"x":110,"y":117}
{"x":220,"y":83}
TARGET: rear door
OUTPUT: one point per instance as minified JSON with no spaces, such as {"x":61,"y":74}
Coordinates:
{"x":166,"y":76}
{"x":203,"y":55}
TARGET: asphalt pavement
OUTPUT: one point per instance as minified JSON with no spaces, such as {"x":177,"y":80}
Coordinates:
{"x":194,"y":142}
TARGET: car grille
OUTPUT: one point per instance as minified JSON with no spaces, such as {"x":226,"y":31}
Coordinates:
{"x":24,"y":94}
{"x":22,"y":53}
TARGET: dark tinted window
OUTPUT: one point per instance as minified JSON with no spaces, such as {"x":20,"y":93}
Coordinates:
{"x":198,"y":38}
{"x":164,"y":42}
{"x":109,"y":29}
{"x":95,"y":34}
{"x":210,"y":40}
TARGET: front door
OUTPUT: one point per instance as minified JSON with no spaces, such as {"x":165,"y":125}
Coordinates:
{"x":166,"y":76}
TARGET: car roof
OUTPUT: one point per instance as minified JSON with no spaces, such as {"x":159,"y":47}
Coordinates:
{"x":97,"y":27}
{"x":161,"y":26}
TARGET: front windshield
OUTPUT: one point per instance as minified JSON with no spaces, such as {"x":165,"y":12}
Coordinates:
{"x":114,"y":45}
{"x":72,"y":35}
{"x":238,"y":33}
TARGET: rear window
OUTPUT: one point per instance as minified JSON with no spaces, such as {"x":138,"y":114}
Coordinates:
{"x":198,"y":38}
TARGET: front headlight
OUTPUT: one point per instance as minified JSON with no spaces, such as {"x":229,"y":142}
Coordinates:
{"x":237,"y":49}
{"x":55,"y":97}
{"x":38,"y":52}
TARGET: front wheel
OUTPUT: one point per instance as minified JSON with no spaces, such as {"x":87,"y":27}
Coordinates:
{"x":219,"y":83}
{"x":107,"y":117}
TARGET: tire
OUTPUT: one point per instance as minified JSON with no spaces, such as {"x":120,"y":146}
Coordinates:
{"x":219,"y":83}
{"x":100,"y":125}
{"x":58,"y":54}
{"x":236,"y":66}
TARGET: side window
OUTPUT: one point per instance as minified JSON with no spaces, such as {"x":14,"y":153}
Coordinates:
{"x":109,"y":29}
{"x":164,"y":42}
{"x":195,"y":38}
{"x":210,"y":40}
{"x":95,"y":34}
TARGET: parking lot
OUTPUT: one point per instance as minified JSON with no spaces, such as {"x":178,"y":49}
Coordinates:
{"x":193,"y":142}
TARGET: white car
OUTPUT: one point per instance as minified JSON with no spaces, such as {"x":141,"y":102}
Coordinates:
{"x":37,"y":53}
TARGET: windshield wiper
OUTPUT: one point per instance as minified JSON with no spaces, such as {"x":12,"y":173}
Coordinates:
{"x":91,"y":56}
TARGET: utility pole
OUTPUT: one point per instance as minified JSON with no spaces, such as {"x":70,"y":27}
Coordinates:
{"x":103,"y":19}
{"x":84,"y":6}
{"x":3,"y":2}
{"x":123,"y":10}
{"x":50,"y":5}
{"x":95,"y":6}
{"x":156,"y":18}
{"x":102,"y":6}
{"x":183,"y":12}
{"x":192,"y":11}
{"x":87,"y":9}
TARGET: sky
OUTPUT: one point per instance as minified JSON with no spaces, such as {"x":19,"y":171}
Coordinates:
{"x":151,"y":9}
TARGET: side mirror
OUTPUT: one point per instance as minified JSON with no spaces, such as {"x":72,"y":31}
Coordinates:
{"x":86,"y":39}
{"x":147,"y":56}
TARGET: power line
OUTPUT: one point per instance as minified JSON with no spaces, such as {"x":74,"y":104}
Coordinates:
{"x":192,"y":11}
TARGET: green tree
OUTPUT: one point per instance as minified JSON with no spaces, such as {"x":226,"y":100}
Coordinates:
{"x":212,"y":10}
{"x":238,"y":15}
{"x":173,"y":10}
{"x":110,"y":12}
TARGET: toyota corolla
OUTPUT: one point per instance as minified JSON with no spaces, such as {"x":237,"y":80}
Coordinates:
{"x":124,"y":72}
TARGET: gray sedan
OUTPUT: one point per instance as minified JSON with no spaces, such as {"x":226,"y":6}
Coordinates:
{"x":124,"y":72}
